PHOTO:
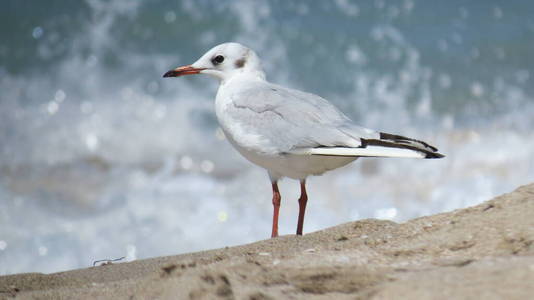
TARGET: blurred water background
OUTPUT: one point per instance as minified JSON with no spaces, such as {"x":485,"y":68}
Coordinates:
{"x":101,"y":158}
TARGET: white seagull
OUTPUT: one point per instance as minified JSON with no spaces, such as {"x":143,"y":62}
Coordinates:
{"x":288,"y":132}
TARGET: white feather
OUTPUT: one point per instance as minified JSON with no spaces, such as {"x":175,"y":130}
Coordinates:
{"x":369,"y":151}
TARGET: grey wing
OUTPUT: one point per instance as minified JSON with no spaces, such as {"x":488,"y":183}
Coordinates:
{"x":284,"y":120}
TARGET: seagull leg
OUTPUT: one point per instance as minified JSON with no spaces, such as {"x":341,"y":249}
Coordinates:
{"x":276,"y":207}
{"x":302,"y":206}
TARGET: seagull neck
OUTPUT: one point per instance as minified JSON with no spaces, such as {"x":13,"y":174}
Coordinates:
{"x":250,"y":75}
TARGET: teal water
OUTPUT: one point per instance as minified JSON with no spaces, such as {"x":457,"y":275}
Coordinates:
{"x":101,"y":158}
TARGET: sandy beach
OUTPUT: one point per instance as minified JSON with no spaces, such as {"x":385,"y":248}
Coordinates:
{"x":485,"y":251}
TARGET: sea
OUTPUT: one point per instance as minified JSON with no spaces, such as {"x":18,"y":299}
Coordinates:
{"x":102,"y":158}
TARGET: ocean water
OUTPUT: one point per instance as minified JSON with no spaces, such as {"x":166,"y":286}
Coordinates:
{"x":101,"y":158}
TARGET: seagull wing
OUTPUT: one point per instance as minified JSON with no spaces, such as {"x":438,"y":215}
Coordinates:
{"x":278,"y":120}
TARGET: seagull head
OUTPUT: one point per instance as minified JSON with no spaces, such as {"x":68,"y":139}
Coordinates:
{"x":223,"y":62}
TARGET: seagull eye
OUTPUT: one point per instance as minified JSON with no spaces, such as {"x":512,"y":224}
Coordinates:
{"x":217,"y":59}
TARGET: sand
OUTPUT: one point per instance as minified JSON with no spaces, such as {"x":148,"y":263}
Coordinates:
{"x":481,"y":252}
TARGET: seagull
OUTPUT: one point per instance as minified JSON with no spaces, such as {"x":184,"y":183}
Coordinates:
{"x":288,"y":132}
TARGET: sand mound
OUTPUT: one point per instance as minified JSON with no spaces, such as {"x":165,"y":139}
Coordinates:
{"x":485,"y":251}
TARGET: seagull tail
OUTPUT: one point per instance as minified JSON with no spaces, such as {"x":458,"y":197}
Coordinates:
{"x":388,"y":145}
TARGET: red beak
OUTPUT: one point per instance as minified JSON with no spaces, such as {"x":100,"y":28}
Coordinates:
{"x":185,"y":70}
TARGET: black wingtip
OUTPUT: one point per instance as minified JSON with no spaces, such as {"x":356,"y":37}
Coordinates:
{"x":400,"y":139}
{"x":433,"y":155}
{"x":399,"y":144}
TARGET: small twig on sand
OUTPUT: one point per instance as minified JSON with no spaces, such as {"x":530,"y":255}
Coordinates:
{"x":107,"y":261}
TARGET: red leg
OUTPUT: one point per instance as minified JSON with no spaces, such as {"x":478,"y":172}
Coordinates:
{"x":302,"y":206}
{"x":276,"y":207}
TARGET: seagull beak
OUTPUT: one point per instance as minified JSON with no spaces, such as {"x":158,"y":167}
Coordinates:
{"x":185,"y":70}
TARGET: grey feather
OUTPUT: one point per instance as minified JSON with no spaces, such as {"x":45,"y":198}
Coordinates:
{"x":289,"y":119}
